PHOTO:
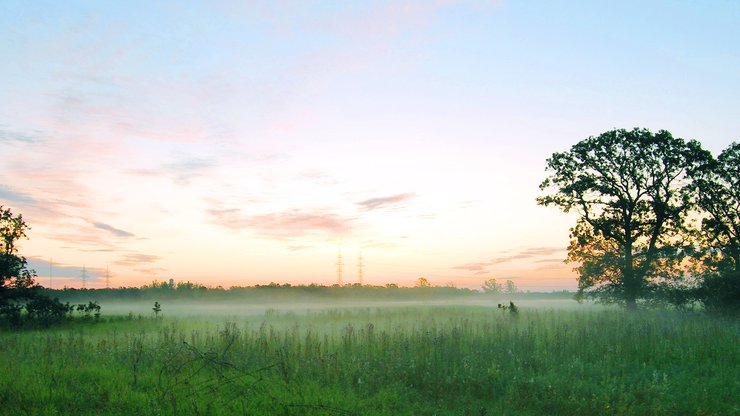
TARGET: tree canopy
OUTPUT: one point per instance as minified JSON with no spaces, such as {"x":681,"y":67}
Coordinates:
{"x":633,"y":191}
{"x":20,"y":298}
{"x":492,"y":286}
{"x":719,"y":199}
{"x":13,"y":271}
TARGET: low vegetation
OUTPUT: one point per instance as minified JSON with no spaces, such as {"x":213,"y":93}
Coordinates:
{"x":382,"y":361}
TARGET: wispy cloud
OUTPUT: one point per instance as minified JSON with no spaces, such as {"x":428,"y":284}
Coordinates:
{"x":285,"y":224}
{"x":473,"y":267}
{"x":385,"y":202}
{"x":7,"y":194}
{"x":116,"y":231}
{"x":151,"y":270}
{"x":184,"y":170}
{"x":528,"y":253}
{"x":85,"y":235}
{"x":11,"y":136}
{"x":77,"y":238}
{"x":136,"y":259}
{"x":42,"y":267}
{"x":180,"y":171}
{"x":297,"y":223}
{"x":482,"y":268}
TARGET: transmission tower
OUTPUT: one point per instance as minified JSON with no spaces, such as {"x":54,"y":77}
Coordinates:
{"x":84,"y":277}
{"x":51,"y":263}
{"x":360,"y":271}
{"x":107,"y":277}
{"x":339,"y":267}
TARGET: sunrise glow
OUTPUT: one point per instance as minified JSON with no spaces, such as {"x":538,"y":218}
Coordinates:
{"x":232,"y":143}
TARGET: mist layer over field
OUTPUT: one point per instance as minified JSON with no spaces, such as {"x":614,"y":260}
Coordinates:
{"x":236,"y":309}
{"x":198,"y":301}
{"x":442,"y":357}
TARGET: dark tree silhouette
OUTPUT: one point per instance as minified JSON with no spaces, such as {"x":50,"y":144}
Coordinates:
{"x":632,"y":191}
{"x":12,"y":229}
{"x":18,"y":289}
{"x":16,"y":281}
{"x":719,"y":198}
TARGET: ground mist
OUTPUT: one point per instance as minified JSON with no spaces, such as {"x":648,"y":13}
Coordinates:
{"x":389,"y":360}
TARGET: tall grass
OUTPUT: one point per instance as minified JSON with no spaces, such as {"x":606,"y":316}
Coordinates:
{"x":391,"y":361}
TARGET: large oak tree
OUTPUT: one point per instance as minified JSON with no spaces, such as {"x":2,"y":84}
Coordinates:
{"x":719,"y":198}
{"x":632,"y":190}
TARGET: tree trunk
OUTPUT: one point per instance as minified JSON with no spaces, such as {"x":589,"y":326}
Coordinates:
{"x":629,"y":280}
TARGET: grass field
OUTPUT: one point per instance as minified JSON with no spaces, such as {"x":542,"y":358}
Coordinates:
{"x":403,"y":360}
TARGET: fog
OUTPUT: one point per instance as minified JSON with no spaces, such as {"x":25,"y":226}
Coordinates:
{"x":228,"y":309}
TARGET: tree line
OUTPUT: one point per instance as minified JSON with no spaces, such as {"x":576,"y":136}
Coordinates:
{"x":258,"y":293}
{"x":275,"y":292}
{"x":658,"y":218}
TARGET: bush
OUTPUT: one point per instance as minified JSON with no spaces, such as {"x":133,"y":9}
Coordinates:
{"x":720,"y":293}
{"x":47,"y":311}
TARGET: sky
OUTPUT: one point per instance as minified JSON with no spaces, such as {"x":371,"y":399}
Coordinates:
{"x":247,"y":142}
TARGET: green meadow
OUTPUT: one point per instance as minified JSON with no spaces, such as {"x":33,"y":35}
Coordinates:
{"x":409,"y":359}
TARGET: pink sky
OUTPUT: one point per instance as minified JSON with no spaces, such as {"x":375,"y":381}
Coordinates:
{"x":239,"y":144}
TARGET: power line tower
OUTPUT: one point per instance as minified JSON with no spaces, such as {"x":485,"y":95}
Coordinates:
{"x":339,"y":267}
{"x":84,"y":277}
{"x":107,"y":277}
{"x":51,"y":263}
{"x":360,"y":270}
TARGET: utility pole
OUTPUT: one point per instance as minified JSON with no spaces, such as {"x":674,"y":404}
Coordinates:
{"x":360,"y":271}
{"x":339,"y":267}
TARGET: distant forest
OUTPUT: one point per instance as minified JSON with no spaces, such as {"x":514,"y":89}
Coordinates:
{"x":275,"y":291}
